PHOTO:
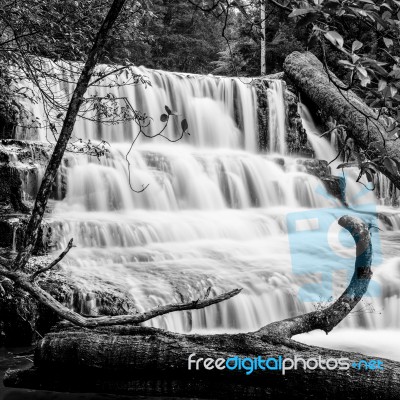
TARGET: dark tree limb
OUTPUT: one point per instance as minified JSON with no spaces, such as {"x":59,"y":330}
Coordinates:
{"x":363,"y":124}
{"x":65,"y":135}
{"x":329,"y":317}
{"x":53,"y":263}
{"x":26,"y":283}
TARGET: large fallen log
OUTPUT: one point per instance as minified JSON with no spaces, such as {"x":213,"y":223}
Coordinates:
{"x":364,"y":125}
{"x":148,"y":361}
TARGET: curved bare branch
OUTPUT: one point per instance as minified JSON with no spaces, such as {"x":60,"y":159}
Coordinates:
{"x":328,"y":318}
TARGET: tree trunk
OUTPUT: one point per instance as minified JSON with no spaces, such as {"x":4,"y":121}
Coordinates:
{"x":76,"y":102}
{"x":149,"y":361}
{"x":363,"y":124}
{"x":263,"y":53}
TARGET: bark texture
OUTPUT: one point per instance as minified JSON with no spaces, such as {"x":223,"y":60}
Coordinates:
{"x":363,"y":123}
{"x":148,"y":361}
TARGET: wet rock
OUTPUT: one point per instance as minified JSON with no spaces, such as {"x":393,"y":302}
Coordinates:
{"x":334,"y":186}
{"x":23,"y":319}
{"x":12,"y":229}
{"x":19,"y":165}
{"x":11,"y":193}
{"x":22,"y":166}
{"x":318,"y":168}
{"x":7,"y":129}
{"x":297,"y":141}
{"x":261,"y":86}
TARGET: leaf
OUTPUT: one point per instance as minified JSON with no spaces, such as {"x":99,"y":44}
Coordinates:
{"x":300,"y":11}
{"x":59,"y":115}
{"x":386,"y":15}
{"x":387,"y":6}
{"x":347,"y":165}
{"x":388,"y":42}
{"x":391,"y":166}
{"x":335,"y":38}
{"x":346,"y":64}
{"x":363,"y":76}
{"x":356,"y":46}
{"x":393,"y":90}
{"x":164,"y":118}
{"x":184,"y":125}
{"x":168,"y":110}
{"x":382,"y":84}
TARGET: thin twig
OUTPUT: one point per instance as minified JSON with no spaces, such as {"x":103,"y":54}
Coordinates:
{"x":54,"y":263}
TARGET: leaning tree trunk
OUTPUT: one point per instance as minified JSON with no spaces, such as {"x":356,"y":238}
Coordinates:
{"x":148,"y":361}
{"x":365,"y":126}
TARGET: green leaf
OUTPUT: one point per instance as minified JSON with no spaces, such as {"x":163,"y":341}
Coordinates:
{"x":164,"y":118}
{"x":168,"y":110}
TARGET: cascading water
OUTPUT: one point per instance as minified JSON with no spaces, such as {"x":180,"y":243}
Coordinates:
{"x":379,"y":314}
{"x":277,"y":117}
{"x":213,"y":215}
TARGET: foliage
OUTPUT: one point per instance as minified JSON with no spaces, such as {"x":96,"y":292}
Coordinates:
{"x":366,"y":34}
{"x":183,"y":38}
{"x":358,"y":40}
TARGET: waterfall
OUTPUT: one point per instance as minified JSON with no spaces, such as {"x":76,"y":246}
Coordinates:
{"x":221,"y":111}
{"x":214,"y":213}
{"x":324,"y":150}
{"x":277,"y":117}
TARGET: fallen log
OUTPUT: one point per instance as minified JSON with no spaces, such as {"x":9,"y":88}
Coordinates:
{"x":147,"y":361}
{"x":364,"y":125}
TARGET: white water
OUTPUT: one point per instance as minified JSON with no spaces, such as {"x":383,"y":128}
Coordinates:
{"x":214,"y":214}
{"x":277,"y":117}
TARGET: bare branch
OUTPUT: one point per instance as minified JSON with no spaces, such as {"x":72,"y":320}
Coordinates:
{"x":54,"y":263}
{"x":329,"y":317}
{"x":331,"y":130}
{"x":24,"y":282}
